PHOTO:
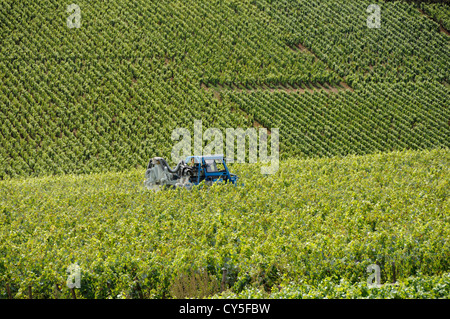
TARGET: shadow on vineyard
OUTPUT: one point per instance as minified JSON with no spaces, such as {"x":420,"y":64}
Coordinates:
{"x":294,"y":88}
{"x":196,"y":285}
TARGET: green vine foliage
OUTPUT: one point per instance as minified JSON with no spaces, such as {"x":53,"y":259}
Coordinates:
{"x":364,"y":172}
{"x":107,"y":96}
{"x":314,"y":220}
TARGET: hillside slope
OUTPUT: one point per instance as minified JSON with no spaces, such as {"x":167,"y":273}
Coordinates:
{"x":107,"y":96}
{"x":313,"y":219}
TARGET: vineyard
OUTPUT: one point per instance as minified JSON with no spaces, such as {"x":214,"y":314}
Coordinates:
{"x":330,"y":219}
{"x":439,"y":12}
{"x":106,"y":96}
{"x":329,"y":124}
{"x":364,"y":121}
{"x":407,"y":47}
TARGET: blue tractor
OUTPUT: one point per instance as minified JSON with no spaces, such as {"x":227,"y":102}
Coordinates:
{"x":192,"y":171}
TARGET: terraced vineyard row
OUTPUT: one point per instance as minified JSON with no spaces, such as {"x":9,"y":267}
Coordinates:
{"x":382,"y":117}
{"x":214,"y":42}
{"x":87,"y":117}
{"x":108,"y":95}
{"x":407,"y":47}
{"x":439,"y":12}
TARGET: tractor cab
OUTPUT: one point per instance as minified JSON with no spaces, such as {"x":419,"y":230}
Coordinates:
{"x":210,"y":168}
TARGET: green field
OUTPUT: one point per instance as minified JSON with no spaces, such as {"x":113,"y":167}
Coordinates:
{"x":439,"y":12}
{"x":364,"y":121}
{"x":106,"y":97}
{"x":314,"y":220}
